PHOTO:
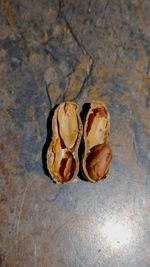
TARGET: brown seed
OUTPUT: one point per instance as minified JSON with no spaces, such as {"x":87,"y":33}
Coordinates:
{"x":98,"y":161}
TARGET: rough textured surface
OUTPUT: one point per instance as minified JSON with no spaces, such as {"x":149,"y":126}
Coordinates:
{"x":52,"y":51}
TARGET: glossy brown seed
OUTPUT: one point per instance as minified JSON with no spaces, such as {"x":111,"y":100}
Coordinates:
{"x":98,"y":162}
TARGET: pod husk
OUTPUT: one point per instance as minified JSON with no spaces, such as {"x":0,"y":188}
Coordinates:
{"x":57,"y":140}
{"x":102,"y":143}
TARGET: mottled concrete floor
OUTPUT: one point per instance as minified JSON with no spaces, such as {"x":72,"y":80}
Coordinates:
{"x":51,"y":51}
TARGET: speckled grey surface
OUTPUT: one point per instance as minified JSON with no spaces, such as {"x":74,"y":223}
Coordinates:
{"x":46,"y":51}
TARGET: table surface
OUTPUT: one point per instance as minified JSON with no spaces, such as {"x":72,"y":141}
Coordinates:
{"x":54,"y":51}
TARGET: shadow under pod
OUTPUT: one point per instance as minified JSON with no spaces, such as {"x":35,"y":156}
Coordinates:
{"x":83,"y":114}
{"x":48,"y":140}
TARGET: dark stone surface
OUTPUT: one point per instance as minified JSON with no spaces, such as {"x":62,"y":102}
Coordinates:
{"x":52,"y":51}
